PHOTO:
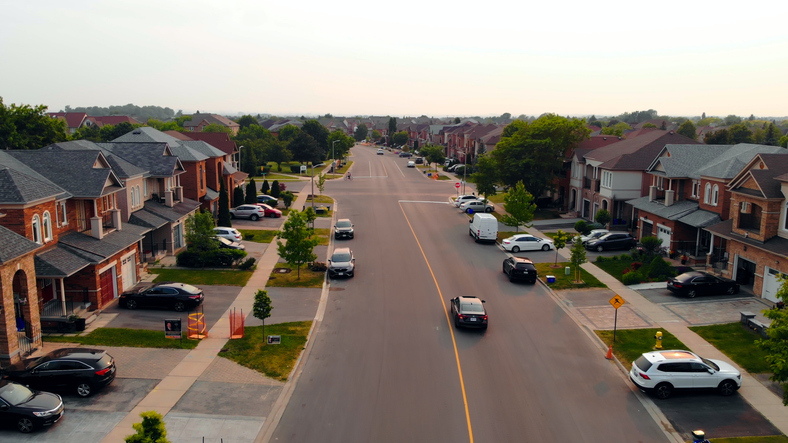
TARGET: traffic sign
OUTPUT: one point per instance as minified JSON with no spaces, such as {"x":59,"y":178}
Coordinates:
{"x":617,"y":301}
{"x":457,"y":185}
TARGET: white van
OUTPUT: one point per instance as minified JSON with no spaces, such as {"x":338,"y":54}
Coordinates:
{"x":483,"y":227}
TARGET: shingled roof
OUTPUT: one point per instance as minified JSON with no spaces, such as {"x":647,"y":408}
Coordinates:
{"x":637,"y":153}
{"x":22,"y":184}
{"x":120,"y":166}
{"x":156,"y":158}
{"x":764,"y":169}
{"x":14,"y":245}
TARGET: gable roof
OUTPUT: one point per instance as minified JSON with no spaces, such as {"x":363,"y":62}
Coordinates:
{"x":684,"y":161}
{"x":731,"y":162}
{"x":764,"y":169}
{"x":21,"y":184}
{"x":219,"y":140}
{"x":156,"y":158}
{"x":14,"y":245}
{"x":73,"y":119}
{"x":637,"y":153}
{"x":113,"y":120}
{"x":121,"y":167}
{"x":210,"y":118}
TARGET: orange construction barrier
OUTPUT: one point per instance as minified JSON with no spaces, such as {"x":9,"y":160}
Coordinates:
{"x":196,"y":328}
{"x":236,"y":324}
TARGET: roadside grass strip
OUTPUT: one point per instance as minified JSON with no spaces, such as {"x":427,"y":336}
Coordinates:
{"x":202,"y":277}
{"x":124,"y":337}
{"x":275,"y":361}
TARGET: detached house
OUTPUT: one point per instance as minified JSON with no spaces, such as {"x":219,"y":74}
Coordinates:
{"x":756,"y":233}
{"x":199,"y":121}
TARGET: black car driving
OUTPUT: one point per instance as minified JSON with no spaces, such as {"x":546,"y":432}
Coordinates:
{"x":78,"y":370}
{"x":177,"y":296}
{"x":469,"y":311}
{"x":520,"y":268}
{"x":344,"y":228}
{"x":692,"y":284}
{"x":26,"y":409}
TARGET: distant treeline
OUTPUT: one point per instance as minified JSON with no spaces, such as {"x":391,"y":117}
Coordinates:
{"x":141,"y":113}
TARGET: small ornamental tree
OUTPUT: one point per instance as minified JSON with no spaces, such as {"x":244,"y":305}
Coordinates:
{"x":581,"y":226}
{"x":776,"y":344}
{"x":266,"y":187}
{"x":150,"y":430}
{"x":560,"y":239}
{"x":288,"y":198}
{"x":578,"y":257}
{"x":251,"y":193}
{"x":520,"y":206}
{"x":238,"y":196}
{"x":223,"y":213}
{"x":275,"y":191}
{"x":199,"y":231}
{"x":603,"y":217}
{"x":262,"y":306}
{"x":321,"y":183}
{"x":299,"y":245}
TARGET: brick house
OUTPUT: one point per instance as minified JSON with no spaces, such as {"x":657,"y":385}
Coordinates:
{"x":756,"y":232}
{"x":199,"y":121}
{"x":688,"y":193}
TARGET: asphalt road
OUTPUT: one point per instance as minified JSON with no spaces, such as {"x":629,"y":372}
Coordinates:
{"x":387,"y":365}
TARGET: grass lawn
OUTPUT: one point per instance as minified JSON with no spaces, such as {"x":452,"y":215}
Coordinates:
{"x":309,"y":279}
{"x":630,"y":343}
{"x":614,"y":267}
{"x":198,"y":277}
{"x":737,"y":342}
{"x":275,"y":361}
{"x":563,"y":281}
{"x":319,"y":198}
{"x":132,"y":338}
{"x":323,"y":235}
{"x":271,"y":176}
{"x":259,"y":236}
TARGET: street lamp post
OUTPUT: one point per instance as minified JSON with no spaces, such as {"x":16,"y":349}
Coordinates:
{"x":239,"y":157}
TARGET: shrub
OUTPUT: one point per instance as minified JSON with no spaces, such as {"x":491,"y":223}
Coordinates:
{"x":288,"y":198}
{"x":636,"y":265}
{"x":626,"y":257}
{"x":600,"y":258}
{"x":295,"y":168}
{"x":318,"y":266}
{"x":632,"y":278}
{"x":282,"y":187}
{"x":625,"y":271}
{"x":651,"y":245}
{"x":582,"y":227}
{"x":275,"y":190}
{"x":247,"y":264}
{"x":660,"y":269}
{"x":189,"y":259}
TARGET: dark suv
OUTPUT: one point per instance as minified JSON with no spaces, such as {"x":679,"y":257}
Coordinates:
{"x":614,"y":240}
{"x":81,"y":370}
{"x":342,"y":263}
{"x":344,"y":228}
{"x":520,"y":268}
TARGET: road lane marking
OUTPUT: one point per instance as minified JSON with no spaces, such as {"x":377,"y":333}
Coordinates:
{"x":400,"y":169}
{"x":448,"y":321}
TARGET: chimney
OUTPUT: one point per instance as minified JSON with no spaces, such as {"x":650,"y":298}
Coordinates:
{"x":652,"y":193}
{"x":669,"y":195}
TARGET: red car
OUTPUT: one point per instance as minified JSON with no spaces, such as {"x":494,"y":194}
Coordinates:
{"x":269,"y":211}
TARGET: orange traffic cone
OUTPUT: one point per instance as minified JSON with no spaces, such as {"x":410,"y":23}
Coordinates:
{"x":609,"y":354}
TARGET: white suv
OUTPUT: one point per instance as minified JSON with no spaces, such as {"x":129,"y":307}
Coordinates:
{"x":661,"y":372}
{"x":477,"y":206}
{"x":231,"y":234}
{"x":464,"y":198}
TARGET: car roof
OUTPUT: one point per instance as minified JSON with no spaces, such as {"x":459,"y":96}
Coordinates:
{"x":171,"y":284}
{"x":673,"y":354}
{"x":522,"y":260}
{"x":342,"y":250}
{"x":75,"y":353}
{"x":343,"y":220}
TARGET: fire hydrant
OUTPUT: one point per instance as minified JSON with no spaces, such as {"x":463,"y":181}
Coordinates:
{"x":659,"y":340}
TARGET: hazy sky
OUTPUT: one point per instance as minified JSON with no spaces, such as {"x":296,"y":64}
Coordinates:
{"x":399,"y":57}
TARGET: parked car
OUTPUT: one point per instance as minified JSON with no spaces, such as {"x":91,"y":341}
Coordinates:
{"x":453,"y":167}
{"x":252,"y":212}
{"x":477,"y":206}
{"x":520,"y":268}
{"x":469,"y":311}
{"x":613,"y":240}
{"x":419,"y":160}
{"x":527,"y":242}
{"x":593,"y":235}
{"x":229,"y":244}
{"x":405,"y":154}
{"x":231,"y":234}
{"x":344,"y":228}
{"x":696,"y":283}
{"x":269,"y":211}
{"x":177,"y":296}
{"x":661,"y":372}
{"x":464,"y":198}
{"x":268,"y":200}
{"x":78,"y":370}
{"x":411,"y":164}
{"x":342,"y":263}
{"x":26,"y":409}
{"x":380,"y":152}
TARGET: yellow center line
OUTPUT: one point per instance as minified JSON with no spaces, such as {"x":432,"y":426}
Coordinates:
{"x":448,"y":322}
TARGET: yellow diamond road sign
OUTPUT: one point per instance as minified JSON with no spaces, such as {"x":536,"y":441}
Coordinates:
{"x":617,"y":301}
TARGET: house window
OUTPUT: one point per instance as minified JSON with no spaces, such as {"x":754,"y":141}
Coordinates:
{"x":715,"y":195}
{"x":707,"y":194}
{"x":133,"y":199}
{"x":785,"y":217}
{"x":37,"y":229}
{"x":752,"y":219}
{"x":695,"y":189}
{"x":47,"y":226}
{"x":607,"y":179}
{"x":178,"y":236}
{"x":60,"y":210}
{"x":145,"y":187}
{"x":202,"y":178}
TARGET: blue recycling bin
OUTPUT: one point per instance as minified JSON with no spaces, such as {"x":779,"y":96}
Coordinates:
{"x":551,"y":279}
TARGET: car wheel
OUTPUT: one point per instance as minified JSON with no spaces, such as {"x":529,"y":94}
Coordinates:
{"x":515,"y":249}
{"x":663,"y":391}
{"x":488,"y":210}
{"x":727,"y":387}
{"x":179,"y":306}
{"x":131,"y":304}
{"x":599,"y":248}
{"x":456,"y":322}
{"x":84,"y":389}
{"x":731,"y":290}
{"x":692,"y":293}
{"x":273,"y":215}
{"x":25,"y":425}
{"x":546,"y":248}
{"x":503,"y":268}
{"x":253,"y":217}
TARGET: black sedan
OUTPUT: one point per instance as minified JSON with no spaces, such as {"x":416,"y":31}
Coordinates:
{"x":26,"y":409}
{"x":696,"y":283}
{"x":469,"y":311}
{"x":78,"y":370}
{"x":614,"y":240}
{"x":520,"y":268}
{"x":177,"y":296}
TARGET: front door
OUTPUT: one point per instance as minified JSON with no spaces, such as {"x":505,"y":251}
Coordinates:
{"x":107,"y":286}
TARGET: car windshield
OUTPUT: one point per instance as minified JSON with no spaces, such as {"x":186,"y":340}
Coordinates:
{"x":472,"y":308}
{"x":340,"y":257}
{"x":15,"y":394}
{"x":343,"y":224}
{"x":598,"y":234}
{"x":191,"y":289}
{"x":686,"y":278}
{"x":710,"y":363}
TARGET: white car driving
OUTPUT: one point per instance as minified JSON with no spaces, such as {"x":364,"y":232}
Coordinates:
{"x":527,"y":242}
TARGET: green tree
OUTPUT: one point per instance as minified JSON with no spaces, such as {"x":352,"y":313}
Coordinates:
{"x":709,"y":121}
{"x":732,"y":120}
{"x":617,"y":129}
{"x":319,"y":133}
{"x":223,"y":211}
{"x":90,"y":133}
{"x":150,"y":430}
{"x":740,"y":133}
{"x":164,"y":126}
{"x":776,"y":344}
{"x":560,"y":239}
{"x":288,"y":198}
{"x":246,"y":121}
{"x":603,"y":217}
{"x":262,"y":306}
{"x":277,"y":152}
{"x":519,"y":203}
{"x":288,"y":132}
{"x":457,"y":120}
{"x":772,"y":135}
{"x":376,"y":135}
{"x":28,"y":127}
{"x":199,"y":231}
{"x":361,"y":132}
{"x":298,"y":246}
{"x":688,"y":129}
{"x":400,"y":138}
{"x":251,"y":193}
{"x":719,"y":137}
{"x":305,"y":149}
{"x":275,"y":189}
{"x":534,"y":152}
{"x":392,"y":126}
{"x":486,"y":175}
{"x":266,"y":187}
{"x":339,"y":144}
{"x":321,"y":183}
{"x":216,"y":127}
{"x":238,"y":196}
{"x":783,"y":141}
{"x":577,"y":257}
{"x":433,"y":154}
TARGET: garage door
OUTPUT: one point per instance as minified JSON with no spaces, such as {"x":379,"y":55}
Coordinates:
{"x":771,"y":284}
{"x":107,"y":288}
{"x":128,"y":272}
{"x":664,"y":234}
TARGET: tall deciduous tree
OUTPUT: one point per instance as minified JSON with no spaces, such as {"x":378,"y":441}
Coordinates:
{"x":740,"y":133}
{"x":519,"y":203}
{"x":277,"y":152}
{"x":687,"y":129}
{"x":486,"y":175}
{"x":534,"y":152}
{"x":251,"y":192}
{"x":305,"y":149}
{"x":433,"y":154}
{"x":376,"y":135}
{"x":246,"y":120}
{"x":776,"y":345}
{"x":216,"y":127}
{"x":224,"y":204}
{"x":361,"y":132}
{"x":298,"y":246}
{"x":400,"y":138}
{"x":261,"y":309}
{"x":392,"y":126}
{"x":28,"y":127}
{"x":318,"y":132}
{"x":199,"y":231}
{"x":719,"y":137}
